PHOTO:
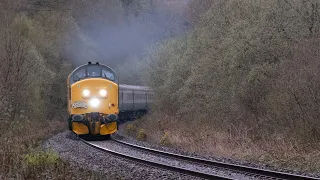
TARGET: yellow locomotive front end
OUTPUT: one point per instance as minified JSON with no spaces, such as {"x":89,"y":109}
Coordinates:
{"x":93,"y":100}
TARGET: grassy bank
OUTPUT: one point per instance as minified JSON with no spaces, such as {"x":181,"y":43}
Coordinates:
{"x":280,"y":152}
{"x":23,"y":158}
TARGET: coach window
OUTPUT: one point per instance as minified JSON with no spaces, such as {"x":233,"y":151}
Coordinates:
{"x":129,"y":97}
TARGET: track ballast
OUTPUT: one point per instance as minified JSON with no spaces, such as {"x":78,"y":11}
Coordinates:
{"x":248,"y":171}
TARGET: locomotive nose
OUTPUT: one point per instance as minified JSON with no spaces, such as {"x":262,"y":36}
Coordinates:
{"x":94,"y":102}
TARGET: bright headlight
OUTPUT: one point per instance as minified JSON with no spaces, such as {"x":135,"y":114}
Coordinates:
{"x":94,"y":102}
{"x":103,"y":93}
{"x":85,"y":93}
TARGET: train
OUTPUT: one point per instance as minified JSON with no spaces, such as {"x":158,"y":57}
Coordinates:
{"x":134,"y":101}
{"x":97,"y":103}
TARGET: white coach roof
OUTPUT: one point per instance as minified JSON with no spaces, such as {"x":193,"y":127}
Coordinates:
{"x":131,"y":87}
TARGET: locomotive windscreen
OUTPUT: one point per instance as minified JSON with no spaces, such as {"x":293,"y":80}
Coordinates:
{"x":93,"y":71}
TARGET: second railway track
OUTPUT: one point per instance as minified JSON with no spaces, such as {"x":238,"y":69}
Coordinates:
{"x":232,"y":171}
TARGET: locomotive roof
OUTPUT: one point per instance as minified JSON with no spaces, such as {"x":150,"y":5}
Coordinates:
{"x":99,"y":74}
{"x":131,"y":87}
{"x":96,"y":64}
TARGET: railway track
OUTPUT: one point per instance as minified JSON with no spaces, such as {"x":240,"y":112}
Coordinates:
{"x":247,"y":171}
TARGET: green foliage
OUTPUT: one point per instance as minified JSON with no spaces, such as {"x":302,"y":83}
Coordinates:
{"x":142,"y":136}
{"x":249,"y":64}
{"x":41,"y":158}
{"x":165,"y":141}
{"x":131,"y":129}
{"x":38,"y":42}
{"x":34,"y":43}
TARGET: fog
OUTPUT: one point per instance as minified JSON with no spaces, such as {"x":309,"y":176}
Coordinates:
{"x":114,"y":35}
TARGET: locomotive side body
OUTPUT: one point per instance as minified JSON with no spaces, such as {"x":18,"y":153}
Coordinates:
{"x":93,"y":100}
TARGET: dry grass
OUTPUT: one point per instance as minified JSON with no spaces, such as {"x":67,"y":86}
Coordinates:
{"x":203,"y":139}
{"x":131,"y":129}
{"x":21,"y":157}
{"x":165,"y":139}
{"x":141,"y":136}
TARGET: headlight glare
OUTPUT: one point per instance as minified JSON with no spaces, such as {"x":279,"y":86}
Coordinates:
{"x":94,"y":102}
{"x":103,"y":93}
{"x":85,"y":93}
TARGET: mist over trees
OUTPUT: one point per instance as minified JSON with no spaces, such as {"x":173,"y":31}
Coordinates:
{"x":245,"y":68}
{"x":251,"y":64}
{"x":118,"y":33}
{"x":242,"y":83}
{"x":43,"y":38}
{"x":42,"y":41}
{"x":250,"y":68}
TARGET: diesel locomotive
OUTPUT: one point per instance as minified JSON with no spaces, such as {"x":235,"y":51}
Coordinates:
{"x":97,"y":103}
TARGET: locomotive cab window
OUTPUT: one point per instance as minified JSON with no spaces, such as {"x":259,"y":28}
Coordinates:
{"x":107,"y":74}
{"x":79,"y":75}
{"x":93,"y":71}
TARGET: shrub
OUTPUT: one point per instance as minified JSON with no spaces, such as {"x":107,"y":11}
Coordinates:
{"x":165,"y":139}
{"x":130,"y":129}
{"x":142,"y":136}
{"x":42,"y":158}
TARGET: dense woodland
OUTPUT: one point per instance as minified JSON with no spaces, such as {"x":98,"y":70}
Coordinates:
{"x":242,"y":83}
{"x":41,"y":42}
{"x":248,"y":65}
{"x":234,"y":76}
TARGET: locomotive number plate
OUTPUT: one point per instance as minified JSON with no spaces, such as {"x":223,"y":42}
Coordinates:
{"x":79,"y":104}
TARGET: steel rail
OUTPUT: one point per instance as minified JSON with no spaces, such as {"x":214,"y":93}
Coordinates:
{"x":155,"y":164}
{"x":241,"y":168}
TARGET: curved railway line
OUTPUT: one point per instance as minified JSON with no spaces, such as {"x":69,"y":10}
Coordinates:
{"x":248,"y":171}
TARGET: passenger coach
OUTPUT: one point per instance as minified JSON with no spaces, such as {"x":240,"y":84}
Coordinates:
{"x":134,"y":101}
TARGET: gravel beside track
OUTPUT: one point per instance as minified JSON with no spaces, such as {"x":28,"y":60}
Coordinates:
{"x":120,"y":135}
{"x":80,"y":155}
{"x":170,"y":161}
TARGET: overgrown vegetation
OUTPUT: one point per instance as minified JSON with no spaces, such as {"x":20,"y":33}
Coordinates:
{"x":32,"y":90}
{"x":142,"y":136}
{"x":165,"y":141}
{"x":130,"y":129}
{"x":243,"y":83}
{"x":41,"y":158}
{"x":41,"y":42}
